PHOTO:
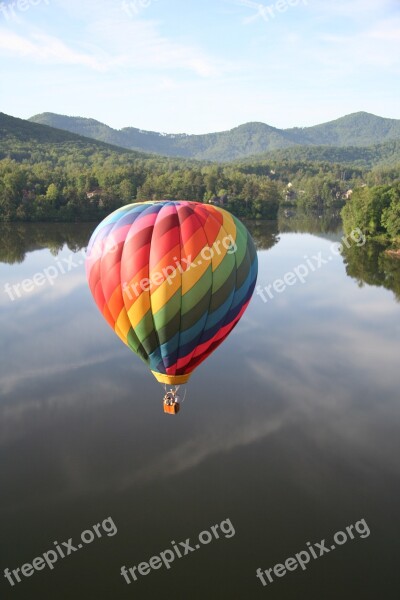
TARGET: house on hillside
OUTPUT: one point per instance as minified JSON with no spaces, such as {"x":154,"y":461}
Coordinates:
{"x":96,"y":192}
{"x":289,"y":193}
{"x":219,"y":200}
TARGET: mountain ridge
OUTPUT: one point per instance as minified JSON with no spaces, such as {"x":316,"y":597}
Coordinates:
{"x":26,"y":130}
{"x":248,"y":139}
{"x":20,"y":138}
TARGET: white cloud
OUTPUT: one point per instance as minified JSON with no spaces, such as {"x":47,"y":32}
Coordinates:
{"x":193,"y":452}
{"x":48,"y":49}
{"x":11,"y":380}
{"x":141,"y":46}
{"x":109,"y":39}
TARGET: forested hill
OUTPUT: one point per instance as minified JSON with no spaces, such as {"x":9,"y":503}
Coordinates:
{"x":381,"y":155}
{"x":356,"y":130}
{"x":251,"y":138}
{"x":24,"y":140}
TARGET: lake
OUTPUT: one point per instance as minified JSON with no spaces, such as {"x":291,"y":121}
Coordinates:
{"x":289,"y":432}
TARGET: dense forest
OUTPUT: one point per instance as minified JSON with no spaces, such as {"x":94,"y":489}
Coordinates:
{"x":82,"y":187}
{"x":375,"y":210}
{"x":51,"y":175}
{"x":367,"y":157}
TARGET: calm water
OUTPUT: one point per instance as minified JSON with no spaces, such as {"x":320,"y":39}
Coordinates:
{"x":290,"y":430}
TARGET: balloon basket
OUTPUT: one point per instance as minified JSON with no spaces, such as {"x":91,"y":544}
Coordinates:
{"x":171,"y":409}
{"x":172,"y":401}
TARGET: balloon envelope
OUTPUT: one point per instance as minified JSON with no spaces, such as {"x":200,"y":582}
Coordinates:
{"x":172,"y":279}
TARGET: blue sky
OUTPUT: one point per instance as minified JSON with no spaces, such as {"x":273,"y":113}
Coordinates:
{"x":199,"y":66}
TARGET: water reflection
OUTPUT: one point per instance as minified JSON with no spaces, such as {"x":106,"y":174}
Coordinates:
{"x":265,"y":233}
{"x":302,"y":221}
{"x":19,"y":239}
{"x":372,"y":265}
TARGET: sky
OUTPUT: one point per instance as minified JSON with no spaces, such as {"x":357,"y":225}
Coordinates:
{"x":199,"y":66}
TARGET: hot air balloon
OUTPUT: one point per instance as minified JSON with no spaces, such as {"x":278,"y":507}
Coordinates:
{"x":172,"y":279}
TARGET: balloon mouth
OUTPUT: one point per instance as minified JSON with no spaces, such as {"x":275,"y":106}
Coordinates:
{"x":171,"y":379}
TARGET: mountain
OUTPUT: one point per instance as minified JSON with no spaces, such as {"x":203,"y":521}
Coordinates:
{"x":244,"y":140}
{"x":23,"y":140}
{"x":358,"y":129}
{"x":12,"y":128}
{"x":30,"y":131}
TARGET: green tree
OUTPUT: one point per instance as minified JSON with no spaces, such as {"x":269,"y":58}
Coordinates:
{"x":391,"y":214}
{"x":365,"y":208}
{"x":52,"y":193}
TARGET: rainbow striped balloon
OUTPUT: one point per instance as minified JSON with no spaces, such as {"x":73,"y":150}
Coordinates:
{"x":172,"y":279}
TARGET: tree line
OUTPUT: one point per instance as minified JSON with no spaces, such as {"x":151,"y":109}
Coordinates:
{"x":375,"y":210}
{"x":83,"y":181}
